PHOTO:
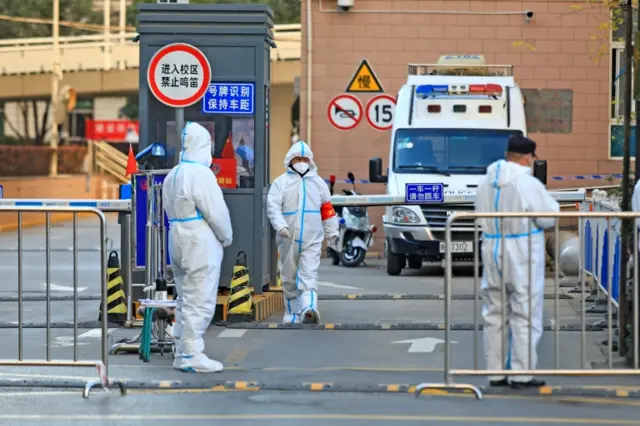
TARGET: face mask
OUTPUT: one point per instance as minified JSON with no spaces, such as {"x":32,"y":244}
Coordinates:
{"x":301,"y":168}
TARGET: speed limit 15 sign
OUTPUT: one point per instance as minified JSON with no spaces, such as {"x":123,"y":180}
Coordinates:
{"x":380,"y":112}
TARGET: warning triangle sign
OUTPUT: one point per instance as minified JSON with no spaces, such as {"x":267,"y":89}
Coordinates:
{"x":364,"y":80}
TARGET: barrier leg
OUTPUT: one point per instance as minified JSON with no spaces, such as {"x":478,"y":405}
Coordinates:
{"x":447,"y":385}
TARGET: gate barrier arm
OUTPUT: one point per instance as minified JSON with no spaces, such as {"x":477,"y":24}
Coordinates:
{"x":110,"y":206}
{"x":124,"y":207}
{"x":107,"y":206}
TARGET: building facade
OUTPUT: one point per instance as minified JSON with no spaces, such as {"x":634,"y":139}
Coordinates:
{"x":557,"y":45}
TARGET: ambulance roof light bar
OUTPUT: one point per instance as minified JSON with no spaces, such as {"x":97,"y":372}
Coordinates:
{"x":430,"y":90}
{"x":461,"y":70}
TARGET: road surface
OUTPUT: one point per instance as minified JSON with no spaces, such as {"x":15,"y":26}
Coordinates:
{"x":275,"y":368}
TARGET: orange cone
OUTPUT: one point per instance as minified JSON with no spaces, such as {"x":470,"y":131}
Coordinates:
{"x":132,"y":164}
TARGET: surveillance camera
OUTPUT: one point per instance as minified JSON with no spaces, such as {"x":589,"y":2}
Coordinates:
{"x":345,"y":5}
{"x":528,"y":16}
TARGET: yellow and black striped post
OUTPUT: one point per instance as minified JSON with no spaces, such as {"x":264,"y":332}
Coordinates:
{"x":240,"y":304}
{"x":116,"y":299}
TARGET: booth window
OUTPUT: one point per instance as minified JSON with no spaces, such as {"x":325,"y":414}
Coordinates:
{"x":233,"y":148}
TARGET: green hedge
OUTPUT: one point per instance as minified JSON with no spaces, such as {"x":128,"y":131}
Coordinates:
{"x":21,"y":161}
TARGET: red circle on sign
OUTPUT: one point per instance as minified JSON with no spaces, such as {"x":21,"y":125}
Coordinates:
{"x":356,"y":120}
{"x":370,"y":104}
{"x":178,"y":47}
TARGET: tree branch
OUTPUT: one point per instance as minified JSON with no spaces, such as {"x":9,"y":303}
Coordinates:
{"x":5,"y":118}
{"x":45,"y":121}
{"x":25,"y":119}
{"x":34,"y":110}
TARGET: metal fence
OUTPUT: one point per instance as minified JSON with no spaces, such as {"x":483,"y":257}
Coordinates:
{"x":599,"y":241}
{"x":103,"y":364}
{"x":506,"y":290}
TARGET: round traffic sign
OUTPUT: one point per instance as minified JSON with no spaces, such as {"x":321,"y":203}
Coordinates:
{"x":179,"y":75}
{"x":380,"y":112}
{"x":344,"y":112}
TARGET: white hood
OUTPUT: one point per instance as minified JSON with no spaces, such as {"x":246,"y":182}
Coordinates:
{"x":196,"y":144}
{"x":300,"y":149}
{"x":502,"y":172}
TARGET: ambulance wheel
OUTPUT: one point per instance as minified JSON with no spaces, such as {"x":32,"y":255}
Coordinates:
{"x":395,"y":262}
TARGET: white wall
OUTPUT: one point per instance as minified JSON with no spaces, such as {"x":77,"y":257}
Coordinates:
{"x":106,"y":108}
{"x":14,"y":124}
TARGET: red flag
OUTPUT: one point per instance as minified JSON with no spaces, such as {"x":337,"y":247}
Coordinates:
{"x":227,"y":151}
{"x":132,"y":164}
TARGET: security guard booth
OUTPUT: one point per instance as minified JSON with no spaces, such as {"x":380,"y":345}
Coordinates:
{"x":236,"y":39}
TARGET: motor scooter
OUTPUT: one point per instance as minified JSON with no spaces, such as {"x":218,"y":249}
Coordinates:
{"x":356,"y":231}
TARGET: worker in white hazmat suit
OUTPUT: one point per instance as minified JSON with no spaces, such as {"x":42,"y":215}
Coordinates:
{"x":510,"y":187}
{"x":200,"y":227}
{"x":635,"y":206}
{"x":299,"y":208}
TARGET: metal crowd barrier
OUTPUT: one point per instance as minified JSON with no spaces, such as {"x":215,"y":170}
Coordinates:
{"x":450,"y":372}
{"x":103,"y":364}
{"x":597,"y":245}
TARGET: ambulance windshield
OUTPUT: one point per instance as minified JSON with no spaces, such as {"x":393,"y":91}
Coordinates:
{"x":451,"y":151}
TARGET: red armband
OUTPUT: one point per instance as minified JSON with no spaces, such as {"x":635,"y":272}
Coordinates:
{"x":327,"y":211}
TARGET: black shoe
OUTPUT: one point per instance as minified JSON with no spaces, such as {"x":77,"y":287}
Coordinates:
{"x":533,"y":383}
{"x":503,"y":382}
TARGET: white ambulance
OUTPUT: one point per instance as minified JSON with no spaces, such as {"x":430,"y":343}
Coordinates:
{"x":452,"y":120}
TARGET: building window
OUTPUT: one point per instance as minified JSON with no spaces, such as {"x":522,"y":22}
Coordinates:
{"x":77,"y":119}
{"x":618,"y":77}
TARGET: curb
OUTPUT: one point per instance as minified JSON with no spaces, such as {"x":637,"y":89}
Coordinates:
{"x":255,"y":386}
{"x":430,"y":326}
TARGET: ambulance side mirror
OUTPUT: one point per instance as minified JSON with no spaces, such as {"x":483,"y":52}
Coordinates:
{"x":375,"y":171}
{"x":540,"y":170}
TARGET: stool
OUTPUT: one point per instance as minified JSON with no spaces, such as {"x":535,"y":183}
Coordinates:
{"x":150,"y":308}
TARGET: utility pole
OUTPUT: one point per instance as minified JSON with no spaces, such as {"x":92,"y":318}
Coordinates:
{"x":56,"y":76}
{"x":123,"y":20}
{"x":106,"y":17}
{"x":626,"y":166}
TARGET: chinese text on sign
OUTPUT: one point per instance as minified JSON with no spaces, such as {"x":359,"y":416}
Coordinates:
{"x":424,"y":192}
{"x":229,"y":98}
{"x":178,"y":75}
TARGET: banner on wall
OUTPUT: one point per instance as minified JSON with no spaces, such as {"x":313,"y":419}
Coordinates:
{"x":112,"y":130}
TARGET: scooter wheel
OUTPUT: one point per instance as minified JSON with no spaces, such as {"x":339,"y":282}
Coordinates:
{"x":353,"y":259}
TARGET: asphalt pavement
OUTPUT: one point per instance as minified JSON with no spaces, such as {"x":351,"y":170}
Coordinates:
{"x":284,"y":377}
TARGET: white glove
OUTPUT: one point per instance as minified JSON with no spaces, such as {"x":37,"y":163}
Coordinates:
{"x":284,"y":233}
{"x":227,"y":243}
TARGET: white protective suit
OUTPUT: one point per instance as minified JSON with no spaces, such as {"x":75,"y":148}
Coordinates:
{"x":635,"y":205}
{"x":303,"y":206}
{"x":510,"y":187}
{"x":200,"y":227}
